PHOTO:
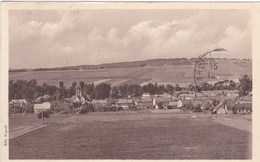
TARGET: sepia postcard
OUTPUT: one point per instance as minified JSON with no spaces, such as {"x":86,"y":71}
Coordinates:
{"x":130,"y":81}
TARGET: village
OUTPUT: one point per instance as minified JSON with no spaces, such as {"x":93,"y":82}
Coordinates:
{"x":213,"y":102}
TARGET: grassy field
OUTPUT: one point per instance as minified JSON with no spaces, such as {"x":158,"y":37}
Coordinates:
{"x":167,"y":74}
{"x":18,"y":121}
{"x":133,"y":136}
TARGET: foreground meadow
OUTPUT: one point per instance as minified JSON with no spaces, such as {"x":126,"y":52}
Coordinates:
{"x":134,"y":136}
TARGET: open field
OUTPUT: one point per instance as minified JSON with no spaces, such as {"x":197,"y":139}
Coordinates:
{"x":167,"y":74}
{"x":18,"y":120}
{"x":134,"y":136}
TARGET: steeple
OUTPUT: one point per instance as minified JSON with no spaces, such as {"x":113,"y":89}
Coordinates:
{"x":78,"y":91}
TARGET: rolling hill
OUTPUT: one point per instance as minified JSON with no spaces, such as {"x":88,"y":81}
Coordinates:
{"x":162,"y":71}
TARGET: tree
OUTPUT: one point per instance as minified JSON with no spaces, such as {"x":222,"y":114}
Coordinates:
{"x":232,"y":85}
{"x":123,"y":90}
{"x":150,"y":88}
{"x":161,"y":89}
{"x":81,"y":83}
{"x":205,"y":86}
{"x":89,"y":89}
{"x":102,"y":91}
{"x":169,"y":88}
{"x":74,"y":84}
{"x":156,"y":88}
{"x":114,"y":93}
{"x":61,"y":84}
{"x":177,"y":87}
{"x":134,"y":90}
{"x":245,"y":85}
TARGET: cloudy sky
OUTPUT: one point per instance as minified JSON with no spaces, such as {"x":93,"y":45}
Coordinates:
{"x":54,"y":38}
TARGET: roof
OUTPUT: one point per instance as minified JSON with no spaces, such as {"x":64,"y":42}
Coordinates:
{"x":218,"y":106}
{"x":122,"y":101}
{"x":147,"y":101}
{"x":78,"y":99}
{"x":206,"y":104}
{"x":198,"y":94}
{"x":99,"y":101}
{"x":246,"y":98}
{"x":211,"y":94}
{"x":162,"y":99}
{"x":18,"y":100}
{"x":197,"y":103}
{"x":146,"y":94}
{"x":233,"y":92}
{"x":166,"y":95}
{"x":173,"y":103}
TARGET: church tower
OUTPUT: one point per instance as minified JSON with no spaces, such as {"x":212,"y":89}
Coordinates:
{"x":78,"y":91}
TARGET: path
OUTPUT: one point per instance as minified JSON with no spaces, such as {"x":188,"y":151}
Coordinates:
{"x":16,"y":132}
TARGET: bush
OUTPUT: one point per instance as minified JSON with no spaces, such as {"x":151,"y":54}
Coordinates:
{"x":197,"y":109}
{"x":83,"y":111}
{"x":120,"y":108}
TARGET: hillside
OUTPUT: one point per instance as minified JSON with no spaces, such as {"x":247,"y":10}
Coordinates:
{"x":162,"y":71}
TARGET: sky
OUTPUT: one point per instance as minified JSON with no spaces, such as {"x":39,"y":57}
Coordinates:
{"x":56,"y":38}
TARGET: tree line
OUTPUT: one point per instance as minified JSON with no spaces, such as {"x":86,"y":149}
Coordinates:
{"x":30,"y":90}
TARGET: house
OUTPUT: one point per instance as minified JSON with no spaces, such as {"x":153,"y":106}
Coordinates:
{"x":186,"y":104}
{"x":146,"y":96}
{"x":145,"y":103}
{"x":175,"y":104}
{"x":112,"y":101}
{"x":78,"y":101}
{"x":100,"y":103}
{"x":164,"y":102}
{"x":187,"y":96}
{"x":166,"y":95}
{"x":211,"y":94}
{"x":125,"y":103}
{"x":233,"y":94}
{"x":220,"y":109}
{"x":205,"y":105}
{"x":18,"y":102}
{"x":244,"y":104}
{"x":16,"y":105}
{"x":197,"y":104}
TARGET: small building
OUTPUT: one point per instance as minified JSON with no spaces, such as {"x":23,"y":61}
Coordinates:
{"x":145,"y":103}
{"x":220,"y":109}
{"x":161,"y":100}
{"x":146,"y":96}
{"x":211,"y":94}
{"x":232,"y":94}
{"x":78,"y":101}
{"x":125,"y":103}
{"x":100,"y":103}
{"x":18,"y":102}
{"x":175,"y":104}
{"x":244,"y":104}
{"x":187,"y":96}
{"x":205,"y":105}
{"x":166,"y":95}
{"x":16,"y":105}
